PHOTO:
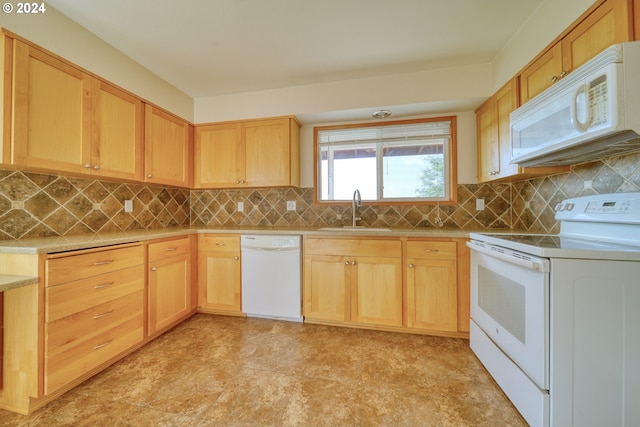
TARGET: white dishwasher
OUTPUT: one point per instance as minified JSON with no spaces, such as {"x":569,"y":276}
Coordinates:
{"x":271,"y":276}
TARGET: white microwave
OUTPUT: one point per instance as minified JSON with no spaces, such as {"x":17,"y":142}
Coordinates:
{"x":592,"y":113}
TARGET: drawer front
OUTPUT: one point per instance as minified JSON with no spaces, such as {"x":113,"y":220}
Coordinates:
{"x":64,"y":367}
{"x":169,"y":248}
{"x":68,"y":331}
{"x":73,"y":297}
{"x":74,"y":267}
{"x":431,"y":250}
{"x":391,"y":248}
{"x":219,"y":243}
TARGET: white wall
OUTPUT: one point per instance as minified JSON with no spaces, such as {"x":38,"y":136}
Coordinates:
{"x":450,"y":84}
{"x":58,"y":34}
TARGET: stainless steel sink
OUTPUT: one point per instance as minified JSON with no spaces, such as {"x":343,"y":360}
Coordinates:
{"x":357,"y":228}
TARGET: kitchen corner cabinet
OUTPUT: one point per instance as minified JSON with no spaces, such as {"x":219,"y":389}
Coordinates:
{"x":66,"y":120}
{"x":168,"y":148}
{"x":219,"y":274}
{"x":353,"y":280}
{"x":494,"y":139}
{"x":256,"y":153}
{"x":170,"y":283}
{"x":609,"y":23}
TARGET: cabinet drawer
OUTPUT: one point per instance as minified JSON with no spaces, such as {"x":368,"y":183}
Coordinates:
{"x":73,"y":267}
{"x":431,"y":250}
{"x":68,"y":331}
{"x":62,"y":368}
{"x":169,"y":248}
{"x":66,"y":299}
{"x":219,"y":243}
{"x":354,"y":247}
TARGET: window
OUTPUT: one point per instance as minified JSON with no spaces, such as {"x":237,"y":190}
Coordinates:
{"x":401,"y":161}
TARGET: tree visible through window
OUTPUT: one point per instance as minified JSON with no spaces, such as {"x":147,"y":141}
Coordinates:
{"x":388,"y":162}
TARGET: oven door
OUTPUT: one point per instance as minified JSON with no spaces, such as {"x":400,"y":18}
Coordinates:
{"x":510,"y":302}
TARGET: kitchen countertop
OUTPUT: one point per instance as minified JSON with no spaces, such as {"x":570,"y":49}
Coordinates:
{"x":46,"y":245}
{"x":8,"y":281}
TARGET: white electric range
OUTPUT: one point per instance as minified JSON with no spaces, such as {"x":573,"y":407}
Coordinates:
{"x":555,"y":319}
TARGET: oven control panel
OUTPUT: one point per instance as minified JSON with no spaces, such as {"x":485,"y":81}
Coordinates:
{"x":616,"y":208}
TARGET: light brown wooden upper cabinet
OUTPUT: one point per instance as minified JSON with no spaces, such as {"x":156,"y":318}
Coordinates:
{"x":488,"y":143}
{"x":636,"y":19}
{"x":611,"y":22}
{"x":494,"y":139}
{"x":117,"y":133}
{"x":256,"y":153}
{"x":66,"y":120}
{"x":168,"y":153}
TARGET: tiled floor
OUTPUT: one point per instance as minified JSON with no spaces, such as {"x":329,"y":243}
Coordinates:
{"x":226,"y":371}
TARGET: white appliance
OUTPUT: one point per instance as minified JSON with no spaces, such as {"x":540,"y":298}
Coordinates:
{"x":555,"y":319}
{"x":271,"y":277}
{"x":592,"y":113}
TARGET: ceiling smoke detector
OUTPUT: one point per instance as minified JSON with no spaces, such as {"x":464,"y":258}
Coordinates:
{"x":381,"y":114}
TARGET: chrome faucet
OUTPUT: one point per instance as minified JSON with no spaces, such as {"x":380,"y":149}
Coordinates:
{"x":356,"y":202}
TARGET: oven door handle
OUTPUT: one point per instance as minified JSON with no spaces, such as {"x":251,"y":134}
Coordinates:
{"x":525,"y":261}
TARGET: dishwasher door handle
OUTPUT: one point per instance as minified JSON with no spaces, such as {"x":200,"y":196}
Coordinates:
{"x":258,"y":249}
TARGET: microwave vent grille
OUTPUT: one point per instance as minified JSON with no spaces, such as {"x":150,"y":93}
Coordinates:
{"x":610,"y":146}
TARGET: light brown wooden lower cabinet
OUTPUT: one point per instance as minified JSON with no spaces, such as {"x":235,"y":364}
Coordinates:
{"x":94,"y":305}
{"x":89,"y":309}
{"x":432,"y":291}
{"x":396,"y":283}
{"x":170,"y":283}
{"x":219,"y":271}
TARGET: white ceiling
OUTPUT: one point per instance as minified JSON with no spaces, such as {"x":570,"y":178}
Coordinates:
{"x":213,"y":47}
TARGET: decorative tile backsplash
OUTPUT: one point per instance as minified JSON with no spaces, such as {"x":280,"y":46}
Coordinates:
{"x":36,"y":205}
{"x":267,"y":207}
{"x":534,"y":200}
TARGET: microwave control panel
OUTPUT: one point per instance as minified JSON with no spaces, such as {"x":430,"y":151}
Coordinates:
{"x":598,"y":100}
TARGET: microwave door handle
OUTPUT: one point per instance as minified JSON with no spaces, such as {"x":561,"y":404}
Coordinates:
{"x":577,"y":124}
{"x":531,"y":264}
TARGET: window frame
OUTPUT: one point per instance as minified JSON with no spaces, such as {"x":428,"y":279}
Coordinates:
{"x":451,"y":167}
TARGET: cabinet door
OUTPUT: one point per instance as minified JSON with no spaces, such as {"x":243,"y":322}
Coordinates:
{"x":609,"y":24}
{"x":432,"y":285}
{"x":636,"y":19}
{"x":52,"y":112}
{"x":167,"y":148}
{"x":376,"y":284}
{"x":432,"y":294}
{"x":506,"y":102}
{"x":219,"y":275}
{"x":267,"y":153}
{"x":116,"y":143}
{"x":488,"y":146}
{"x":541,"y":73}
{"x":169,"y":283}
{"x":327,"y":293}
{"x":219,"y":155}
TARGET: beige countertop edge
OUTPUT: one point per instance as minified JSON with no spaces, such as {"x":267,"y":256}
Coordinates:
{"x":46,"y":245}
{"x":8,"y":281}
